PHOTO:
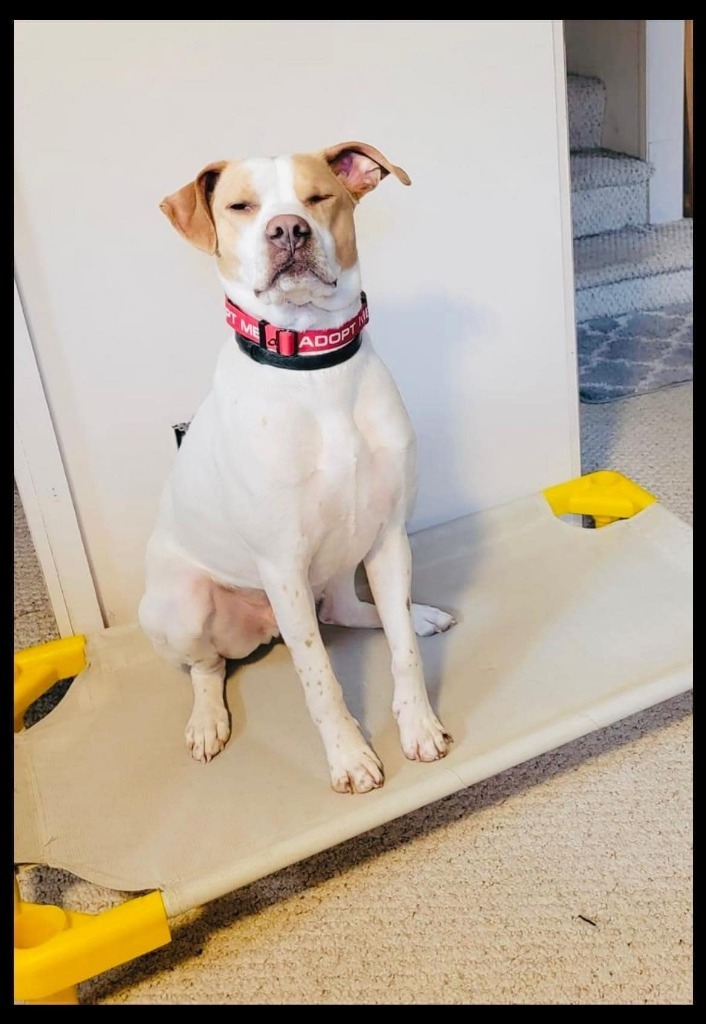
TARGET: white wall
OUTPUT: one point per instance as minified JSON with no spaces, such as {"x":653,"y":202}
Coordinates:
{"x":468,"y":272}
{"x":665,"y":117}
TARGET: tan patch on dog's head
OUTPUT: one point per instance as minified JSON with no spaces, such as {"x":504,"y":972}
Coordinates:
{"x":234,"y":202}
{"x":202,"y":210}
{"x":330,"y":184}
{"x":327,"y":203}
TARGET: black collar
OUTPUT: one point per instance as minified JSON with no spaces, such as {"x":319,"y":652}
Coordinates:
{"x":315,"y":362}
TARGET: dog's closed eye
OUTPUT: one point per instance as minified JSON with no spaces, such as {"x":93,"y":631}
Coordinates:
{"x":313,"y":200}
{"x":241,"y":206}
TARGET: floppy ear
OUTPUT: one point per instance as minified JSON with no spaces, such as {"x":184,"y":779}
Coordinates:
{"x":361,"y":167}
{"x":189,"y":209}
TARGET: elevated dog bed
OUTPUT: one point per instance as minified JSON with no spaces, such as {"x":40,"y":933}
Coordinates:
{"x":561,"y":630}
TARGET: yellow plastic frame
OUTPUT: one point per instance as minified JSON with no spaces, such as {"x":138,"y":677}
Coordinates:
{"x":57,"y":949}
{"x":605,"y":495}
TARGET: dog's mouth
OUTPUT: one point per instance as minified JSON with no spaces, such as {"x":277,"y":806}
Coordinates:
{"x":294,"y":273}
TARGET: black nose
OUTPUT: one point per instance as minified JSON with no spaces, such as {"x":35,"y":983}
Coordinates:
{"x":288,"y":232}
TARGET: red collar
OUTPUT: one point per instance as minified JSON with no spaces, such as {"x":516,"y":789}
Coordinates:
{"x":300,"y":345}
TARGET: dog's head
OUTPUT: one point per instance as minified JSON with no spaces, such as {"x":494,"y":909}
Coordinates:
{"x":282,"y":227}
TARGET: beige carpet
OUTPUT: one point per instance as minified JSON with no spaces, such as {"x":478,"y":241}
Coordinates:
{"x":566,"y":880}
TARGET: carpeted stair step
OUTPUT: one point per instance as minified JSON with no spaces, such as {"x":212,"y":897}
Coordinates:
{"x":635,"y":268}
{"x":608,"y":191}
{"x":586,"y":98}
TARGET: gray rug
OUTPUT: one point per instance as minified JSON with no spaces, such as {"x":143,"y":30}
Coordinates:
{"x":634,"y":353}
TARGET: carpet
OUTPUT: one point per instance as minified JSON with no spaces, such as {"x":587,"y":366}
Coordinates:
{"x":635,"y":353}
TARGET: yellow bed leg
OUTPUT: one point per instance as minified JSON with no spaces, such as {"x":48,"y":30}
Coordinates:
{"x":56,"y":949}
{"x":605,"y":495}
{"x":38,"y":668}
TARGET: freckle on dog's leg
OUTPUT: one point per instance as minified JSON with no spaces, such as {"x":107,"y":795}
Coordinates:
{"x":353,"y":765}
{"x":389,"y":569}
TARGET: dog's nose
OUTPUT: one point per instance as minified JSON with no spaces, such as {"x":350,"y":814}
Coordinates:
{"x":288,"y":232}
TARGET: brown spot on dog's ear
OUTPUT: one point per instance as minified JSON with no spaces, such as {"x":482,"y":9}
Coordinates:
{"x":360,"y":167}
{"x":189,"y":209}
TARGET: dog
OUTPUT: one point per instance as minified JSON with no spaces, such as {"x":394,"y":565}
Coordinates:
{"x":298,"y":466}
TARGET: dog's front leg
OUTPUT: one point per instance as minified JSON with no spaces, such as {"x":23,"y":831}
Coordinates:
{"x":208,"y":728}
{"x":389,"y":570}
{"x":354,"y":766}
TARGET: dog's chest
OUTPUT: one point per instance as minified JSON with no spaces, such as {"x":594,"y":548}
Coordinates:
{"x":355,"y":472}
{"x":333,"y":460}
{"x":307,"y":468}
{"x":349,"y":491}
{"x":332,"y":463}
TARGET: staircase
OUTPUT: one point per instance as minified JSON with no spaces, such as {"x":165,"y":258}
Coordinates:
{"x":621,"y":263}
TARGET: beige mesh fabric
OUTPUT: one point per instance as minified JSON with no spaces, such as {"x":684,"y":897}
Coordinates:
{"x":560,"y":631}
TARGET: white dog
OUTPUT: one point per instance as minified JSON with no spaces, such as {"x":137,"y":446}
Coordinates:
{"x":298,"y":466}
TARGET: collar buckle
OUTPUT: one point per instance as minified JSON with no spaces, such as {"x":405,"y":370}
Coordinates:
{"x":278,"y":339}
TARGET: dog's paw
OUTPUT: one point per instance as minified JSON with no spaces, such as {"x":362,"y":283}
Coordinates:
{"x":207,"y":733}
{"x":354,"y":766}
{"x":428,"y":620}
{"x":422,"y":735}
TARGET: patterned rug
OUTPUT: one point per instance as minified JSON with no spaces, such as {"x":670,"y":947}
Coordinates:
{"x":631,"y":354}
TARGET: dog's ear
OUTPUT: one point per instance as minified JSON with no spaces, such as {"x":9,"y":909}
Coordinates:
{"x":189,"y":209}
{"x":361,"y":167}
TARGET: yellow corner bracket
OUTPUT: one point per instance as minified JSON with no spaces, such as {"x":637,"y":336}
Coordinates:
{"x":56,"y":949}
{"x":38,"y":668}
{"x":605,"y":495}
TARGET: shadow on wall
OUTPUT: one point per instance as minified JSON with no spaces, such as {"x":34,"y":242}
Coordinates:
{"x":433,"y":347}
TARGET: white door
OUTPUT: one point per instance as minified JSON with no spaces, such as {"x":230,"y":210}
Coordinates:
{"x":46,"y":497}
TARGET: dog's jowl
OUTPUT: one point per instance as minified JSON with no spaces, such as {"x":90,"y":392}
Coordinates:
{"x":298,"y":466}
